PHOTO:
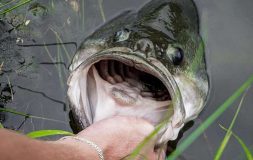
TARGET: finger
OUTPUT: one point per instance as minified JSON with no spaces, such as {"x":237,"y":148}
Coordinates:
{"x":160,"y":154}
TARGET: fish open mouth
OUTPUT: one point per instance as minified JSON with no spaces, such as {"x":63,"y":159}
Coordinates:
{"x":125,"y":90}
{"x":120,"y":83}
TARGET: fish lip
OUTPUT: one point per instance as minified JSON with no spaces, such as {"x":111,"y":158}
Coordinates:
{"x":127,"y":56}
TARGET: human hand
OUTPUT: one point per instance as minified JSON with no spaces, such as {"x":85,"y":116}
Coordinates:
{"x":119,"y":136}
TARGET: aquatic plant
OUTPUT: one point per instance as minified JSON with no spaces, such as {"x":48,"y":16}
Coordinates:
{"x":229,"y":131}
{"x":1,"y":126}
{"x":62,"y":73}
{"x":46,"y":133}
{"x":243,"y":145}
{"x":7,"y":110}
{"x":138,"y":149}
{"x":17,"y":4}
{"x":100,"y":4}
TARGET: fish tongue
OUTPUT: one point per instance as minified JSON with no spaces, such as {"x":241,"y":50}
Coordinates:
{"x":110,"y":97}
{"x":124,"y":99}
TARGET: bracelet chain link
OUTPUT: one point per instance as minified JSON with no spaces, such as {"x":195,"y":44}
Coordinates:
{"x":90,"y":143}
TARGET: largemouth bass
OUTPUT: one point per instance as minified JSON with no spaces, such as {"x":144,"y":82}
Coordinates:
{"x":148,"y":64}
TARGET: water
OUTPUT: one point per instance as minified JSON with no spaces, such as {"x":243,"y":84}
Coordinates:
{"x":37,"y":75}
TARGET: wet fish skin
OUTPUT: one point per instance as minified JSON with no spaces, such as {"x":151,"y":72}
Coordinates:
{"x":162,"y":22}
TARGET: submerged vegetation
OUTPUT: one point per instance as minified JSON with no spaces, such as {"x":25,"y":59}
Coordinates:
{"x":11,"y":5}
{"x":28,"y":115}
{"x":63,"y":55}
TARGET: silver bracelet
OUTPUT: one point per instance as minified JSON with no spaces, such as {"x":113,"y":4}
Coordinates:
{"x":90,"y":143}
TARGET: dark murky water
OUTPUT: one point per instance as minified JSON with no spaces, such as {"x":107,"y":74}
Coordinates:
{"x":33,"y":79}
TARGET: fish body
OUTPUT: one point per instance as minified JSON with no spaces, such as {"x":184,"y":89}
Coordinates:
{"x":148,"y":63}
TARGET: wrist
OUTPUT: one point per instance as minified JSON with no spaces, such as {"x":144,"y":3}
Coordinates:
{"x":82,"y":147}
{"x":104,"y":144}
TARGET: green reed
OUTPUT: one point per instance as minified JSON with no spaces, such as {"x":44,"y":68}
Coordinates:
{"x":17,"y":5}
{"x":229,"y":133}
{"x":46,"y":133}
{"x":7,"y":110}
{"x":246,"y":149}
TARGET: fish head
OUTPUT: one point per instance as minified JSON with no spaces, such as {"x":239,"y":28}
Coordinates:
{"x":148,"y":64}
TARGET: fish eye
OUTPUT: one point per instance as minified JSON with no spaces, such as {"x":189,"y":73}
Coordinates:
{"x":122,"y":35}
{"x":175,"y":55}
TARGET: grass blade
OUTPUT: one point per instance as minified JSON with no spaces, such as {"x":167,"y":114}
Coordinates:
{"x":82,"y":16}
{"x":14,"y":112}
{"x":100,"y":3}
{"x":46,"y":133}
{"x":10,"y":86}
{"x":7,"y":3}
{"x":23,"y":2}
{"x":229,"y":133}
{"x":138,"y":149}
{"x":60,"y":41}
{"x":1,"y":126}
{"x":245,"y":148}
{"x":29,"y":116}
{"x":195,"y":134}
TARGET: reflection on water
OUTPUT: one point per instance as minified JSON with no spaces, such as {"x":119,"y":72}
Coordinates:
{"x":33,"y":75}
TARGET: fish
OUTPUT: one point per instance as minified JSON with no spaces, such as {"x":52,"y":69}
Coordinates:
{"x":148,"y":64}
